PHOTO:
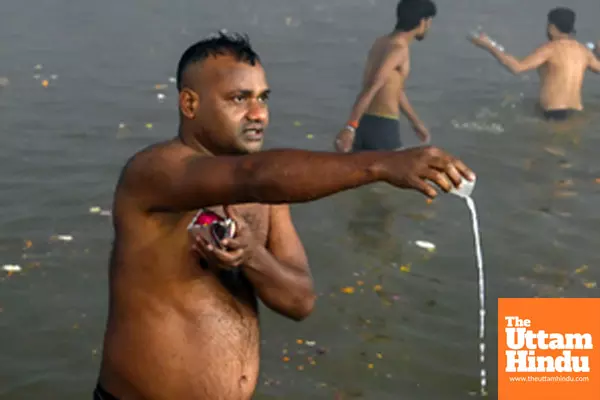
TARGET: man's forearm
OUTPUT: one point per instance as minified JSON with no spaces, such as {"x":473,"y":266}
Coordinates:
{"x":282,"y":288}
{"x":295,"y":176}
{"x":510,"y":62}
{"x":360,"y":105}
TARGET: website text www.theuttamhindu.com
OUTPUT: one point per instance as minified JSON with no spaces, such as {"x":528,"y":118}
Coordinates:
{"x":549,"y":379}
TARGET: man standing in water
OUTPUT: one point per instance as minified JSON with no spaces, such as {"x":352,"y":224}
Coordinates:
{"x":180,"y":327}
{"x":374,"y":120}
{"x":561,"y":63}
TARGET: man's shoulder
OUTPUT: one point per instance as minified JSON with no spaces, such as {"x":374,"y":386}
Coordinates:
{"x":562,"y":45}
{"x":146,"y":172}
{"x":155,"y":157}
{"x":151,"y":164}
{"x":570,"y":50}
{"x":384,"y":44}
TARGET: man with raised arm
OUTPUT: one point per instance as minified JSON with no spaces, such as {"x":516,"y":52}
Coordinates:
{"x":180,"y":327}
{"x":561,"y":63}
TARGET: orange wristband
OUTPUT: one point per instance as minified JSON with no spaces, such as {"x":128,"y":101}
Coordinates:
{"x":353,"y":124}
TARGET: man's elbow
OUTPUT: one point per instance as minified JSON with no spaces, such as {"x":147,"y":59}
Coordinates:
{"x":304,"y":305}
{"x":516,"y":69}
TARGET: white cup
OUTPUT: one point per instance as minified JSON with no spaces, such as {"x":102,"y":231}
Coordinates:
{"x":465,"y":189}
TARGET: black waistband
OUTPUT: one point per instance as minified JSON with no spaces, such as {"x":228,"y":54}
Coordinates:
{"x":101,"y":394}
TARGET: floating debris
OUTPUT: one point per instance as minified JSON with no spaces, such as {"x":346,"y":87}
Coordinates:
{"x":37,"y":77}
{"x":12,"y":268}
{"x":297,"y":124}
{"x":45,"y":83}
{"x":4,"y":81}
{"x":54,"y":77}
{"x":425,"y":245}
{"x":478,"y":126}
{"x":161,"y":86}
{"x":100,"y":211}
{"x":565,"y":164}
{"x":565,"y":193}
{"x":172,"y":79}
{"x":149,"y":125}
{"x":309,"y":136}
{"x":405,"y":268}
{"x":38,"y":67}
{"x":581,"y":269}
{"x":62,"y":238}
{"x":555,"y":151}
{"x":348,"y":290}
{"x":161,"y":97}
{"x":122,"y":125}
{"x":590,"y":285}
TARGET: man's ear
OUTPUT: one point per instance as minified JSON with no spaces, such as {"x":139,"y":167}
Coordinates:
{"x":189,"y":102}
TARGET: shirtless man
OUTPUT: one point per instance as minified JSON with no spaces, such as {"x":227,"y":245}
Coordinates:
{"x":180,"y":327}
{"x":373,"y":123}
{"x":561,"y":63}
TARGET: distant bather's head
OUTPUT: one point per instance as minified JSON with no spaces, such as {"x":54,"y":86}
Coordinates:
{"x":415,"y":15}
{"x":561,"y":21}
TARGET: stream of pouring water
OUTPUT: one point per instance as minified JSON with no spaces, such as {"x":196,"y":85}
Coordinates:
{"x":482,"y":309}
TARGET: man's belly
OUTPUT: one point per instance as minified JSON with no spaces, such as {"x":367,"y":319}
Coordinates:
{"x":210,"y":354}
{"x":385,"y":103}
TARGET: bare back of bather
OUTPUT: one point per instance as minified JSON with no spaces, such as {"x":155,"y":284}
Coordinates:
{"x":562,"y":75}
{"x":561,"y":63}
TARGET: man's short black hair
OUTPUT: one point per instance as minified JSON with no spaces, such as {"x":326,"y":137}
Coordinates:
{"x":221,"y":43}
{"x":409,"y":13}
{"x":563,"y":18}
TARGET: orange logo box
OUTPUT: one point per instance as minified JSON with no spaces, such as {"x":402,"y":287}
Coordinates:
{"x":548,"y":349}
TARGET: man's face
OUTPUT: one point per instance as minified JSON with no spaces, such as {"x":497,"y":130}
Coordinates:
{"x":231,"y":114}
{"x":424,"y":28}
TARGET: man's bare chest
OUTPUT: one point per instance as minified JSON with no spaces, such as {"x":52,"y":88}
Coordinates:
{"x":255,"y":215}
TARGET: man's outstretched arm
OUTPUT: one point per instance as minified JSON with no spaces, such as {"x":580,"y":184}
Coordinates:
{"x":533,"y":61}
{"x":159,"y":182}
